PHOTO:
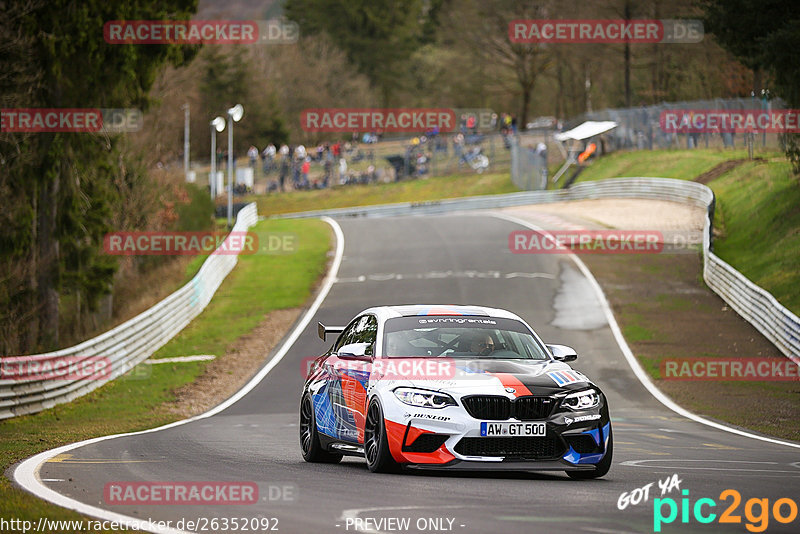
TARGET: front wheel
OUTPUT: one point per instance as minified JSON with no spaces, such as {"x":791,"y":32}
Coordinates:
{"x":309,"y":439}
{"x":602,"y":467}
{"x":376,"y":444}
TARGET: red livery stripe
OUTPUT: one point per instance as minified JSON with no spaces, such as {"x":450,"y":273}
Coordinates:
{"x":511,"y":381}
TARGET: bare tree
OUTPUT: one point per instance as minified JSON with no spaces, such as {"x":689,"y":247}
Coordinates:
{"x":483,"y":26}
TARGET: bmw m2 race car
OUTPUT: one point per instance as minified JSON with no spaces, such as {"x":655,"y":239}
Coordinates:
{"x":452,"y":387}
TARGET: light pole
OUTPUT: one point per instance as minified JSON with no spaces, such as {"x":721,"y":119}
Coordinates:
{"x":217,"y":125}
{"x":185,"y":109}
{"x":234,"y":115}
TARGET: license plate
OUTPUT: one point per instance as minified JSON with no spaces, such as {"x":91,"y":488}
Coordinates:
{"x":513,"y":429}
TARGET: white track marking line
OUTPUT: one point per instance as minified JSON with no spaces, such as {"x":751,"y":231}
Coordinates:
{"x":632,"y":361}
{"x":26,"y":474}
{"x":531,"y":275}
{"x":438,"y":275}
{"x":605,"y":530}
{"x":181,"y":359}
{"x":638,"y":463}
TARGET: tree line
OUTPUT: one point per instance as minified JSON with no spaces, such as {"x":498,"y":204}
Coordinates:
{"x":61,"y":192}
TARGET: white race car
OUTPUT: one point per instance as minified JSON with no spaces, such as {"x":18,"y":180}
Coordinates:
{"x":452,"y":387}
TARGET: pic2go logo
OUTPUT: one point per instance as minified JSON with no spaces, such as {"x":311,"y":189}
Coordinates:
{"x":756,"y":511}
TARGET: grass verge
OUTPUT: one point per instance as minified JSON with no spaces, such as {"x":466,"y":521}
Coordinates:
{"x":757,"y":216}
{"x":664,"y":307}
{"x":669,"y":313}
{"x":418,"y":190}
{"x":681,"y":164}
{"x":759,"y":208}
{"x":259,"y":284}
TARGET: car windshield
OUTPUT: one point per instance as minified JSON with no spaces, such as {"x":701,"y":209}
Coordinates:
{"x":460,"y":337}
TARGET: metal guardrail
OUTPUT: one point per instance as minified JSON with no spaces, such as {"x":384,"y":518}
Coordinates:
{"x":652,"y":188}
{"x":136,"y":339}
{"x":124,"y":346}
{"x":753,"y":303}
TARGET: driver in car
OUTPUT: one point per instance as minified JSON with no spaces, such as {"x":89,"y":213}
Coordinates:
{"x":398,"y":344}
{"x":482,"y":345}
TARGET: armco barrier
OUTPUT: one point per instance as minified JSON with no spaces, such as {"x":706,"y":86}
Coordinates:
{"x":129,"y":343}
{"x":753,"y":303}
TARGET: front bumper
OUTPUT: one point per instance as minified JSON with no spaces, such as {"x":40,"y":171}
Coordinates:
{"x":450,"y":438}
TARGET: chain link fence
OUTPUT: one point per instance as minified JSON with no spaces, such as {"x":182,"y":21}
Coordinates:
{"x":396,"y":158}
{"x":443,"y":155}
{"x":637,"y":128}
{"x":529,"y":155}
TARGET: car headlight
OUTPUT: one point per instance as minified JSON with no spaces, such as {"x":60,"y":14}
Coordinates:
{"x":424,"y":398}
{"x":581,"y":400}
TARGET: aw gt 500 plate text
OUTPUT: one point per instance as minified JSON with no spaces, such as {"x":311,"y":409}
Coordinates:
{"x":513,"y":429}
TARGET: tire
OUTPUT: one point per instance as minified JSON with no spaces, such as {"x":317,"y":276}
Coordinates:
{"x":602,"y":467}
{"x":309,"y":439}
{"x":376,"y":444}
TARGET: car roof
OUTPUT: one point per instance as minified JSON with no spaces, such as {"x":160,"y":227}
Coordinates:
{"x":407,"y":310}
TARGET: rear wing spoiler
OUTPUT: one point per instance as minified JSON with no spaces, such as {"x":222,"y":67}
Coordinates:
{"x":322,"y":330}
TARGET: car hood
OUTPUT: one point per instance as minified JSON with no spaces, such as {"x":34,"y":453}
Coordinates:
{"x":500,"y":377}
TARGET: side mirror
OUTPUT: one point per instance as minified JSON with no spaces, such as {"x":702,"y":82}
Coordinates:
{"x":563,"y":353}
{"x":356,"y":351}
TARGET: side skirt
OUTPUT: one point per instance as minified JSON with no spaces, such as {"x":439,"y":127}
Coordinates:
{"x":342,"y":447}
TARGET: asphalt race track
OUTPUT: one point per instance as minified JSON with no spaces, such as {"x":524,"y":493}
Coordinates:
{"x":454,"y":259}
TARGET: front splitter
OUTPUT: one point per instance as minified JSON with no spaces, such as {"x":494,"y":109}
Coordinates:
{"x":467,"y":465}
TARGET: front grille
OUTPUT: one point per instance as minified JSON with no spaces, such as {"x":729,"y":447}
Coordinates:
{"x":426,"y":443}
{"x":488,"y":407}
{"x":529,"y":408}
{"x":582,"y":443}
{"x":492,"y":407}
{"x":519,"y":447}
